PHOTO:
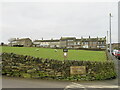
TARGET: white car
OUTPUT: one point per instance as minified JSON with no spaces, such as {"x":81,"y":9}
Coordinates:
{"x":114,"y":52}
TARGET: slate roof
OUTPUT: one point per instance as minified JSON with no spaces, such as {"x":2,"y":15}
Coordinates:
{"x":72,"y":38}
{"x":23,"y":39}
{"x":46,"y":40}
{"x":67,"y":38}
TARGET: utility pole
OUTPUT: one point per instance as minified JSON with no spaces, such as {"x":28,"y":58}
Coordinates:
{"x":110,"y":34}
{"x":107,"y":40}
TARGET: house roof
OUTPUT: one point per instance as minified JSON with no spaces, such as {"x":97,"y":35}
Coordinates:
{"x":67,"y":38}
{"x":55,"y":40}
{"x":78,"y":39}
{"x":23,"y":39}
{"x":46,"y":41}
{"x":37,"y":41}
{"x":115,"y":44}
{"x":91,"y":39}
{"x":101,"y":38}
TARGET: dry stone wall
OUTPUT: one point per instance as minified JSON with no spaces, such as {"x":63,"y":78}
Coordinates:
{"x":30,"y":67}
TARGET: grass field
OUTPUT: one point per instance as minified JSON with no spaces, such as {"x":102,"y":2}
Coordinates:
{"x":83,"y":55}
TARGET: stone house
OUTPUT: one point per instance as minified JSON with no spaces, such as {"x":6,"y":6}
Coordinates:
{"x":72,"y":42}
{"x":93,"y":42}
{"x":46,"y":43}
{"x":54,"y":43}
{"x":37,"y":43}
{"x":25,"y":42}
{"x":78,"y":43}
{"x":68,"y":42}
{"x":115,"y":45}
{"x":101,"y":42}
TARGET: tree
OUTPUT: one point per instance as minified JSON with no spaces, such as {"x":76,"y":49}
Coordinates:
{"x":2,"y":43}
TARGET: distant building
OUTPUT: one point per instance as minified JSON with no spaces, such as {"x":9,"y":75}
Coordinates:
{"x":41,"y":43}
{"x":115,"y":45}
{"x":54,"y":44}
{"x":68,"y":42}
{"x":25,"y":42}
{"x":37,"y":43}
{"x":72,"y":42}
{"x":46,"y":43}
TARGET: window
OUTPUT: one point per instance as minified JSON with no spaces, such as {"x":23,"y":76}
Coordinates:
{"x":86,"y":42}
{"x":70,"y":40}
{"x":82,"y":42}
{"x":77,"y":43}
{"x":94,"y":42}
{"x":70,"y":43}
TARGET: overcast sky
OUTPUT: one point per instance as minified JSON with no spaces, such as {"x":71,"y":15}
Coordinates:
{"x":56,"y":19}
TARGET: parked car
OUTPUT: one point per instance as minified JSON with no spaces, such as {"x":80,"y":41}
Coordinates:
{"x":117,"y":54}
{"x":114,"y":52}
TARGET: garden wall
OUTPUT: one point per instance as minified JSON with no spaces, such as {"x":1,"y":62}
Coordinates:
{"x":31,"y":67}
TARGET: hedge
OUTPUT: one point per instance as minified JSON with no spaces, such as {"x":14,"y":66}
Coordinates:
{"x":31,"y":67}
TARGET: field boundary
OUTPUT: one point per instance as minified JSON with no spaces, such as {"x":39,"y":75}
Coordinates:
{"x":30,"y":67}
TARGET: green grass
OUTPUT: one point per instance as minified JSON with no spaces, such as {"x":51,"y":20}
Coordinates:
{"x":83,"y":55}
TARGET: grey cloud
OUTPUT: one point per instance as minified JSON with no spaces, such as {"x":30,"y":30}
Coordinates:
{"x":53,"y":20}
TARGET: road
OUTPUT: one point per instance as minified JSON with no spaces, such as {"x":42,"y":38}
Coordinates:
{"x":8,"y":82}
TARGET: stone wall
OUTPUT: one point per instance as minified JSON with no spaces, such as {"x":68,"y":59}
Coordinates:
{"x":31,"y":67}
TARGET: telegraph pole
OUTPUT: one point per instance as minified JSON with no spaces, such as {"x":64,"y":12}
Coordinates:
{"x":107,"y":40}
{"x":110,"y":34}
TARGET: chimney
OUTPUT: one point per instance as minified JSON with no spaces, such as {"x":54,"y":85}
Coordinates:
{"x":89,"y":36}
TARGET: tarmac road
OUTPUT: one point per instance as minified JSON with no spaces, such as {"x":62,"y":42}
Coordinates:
{"x":8,"y":82}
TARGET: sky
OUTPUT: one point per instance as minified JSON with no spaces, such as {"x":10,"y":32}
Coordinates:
{"x":57,"y":19}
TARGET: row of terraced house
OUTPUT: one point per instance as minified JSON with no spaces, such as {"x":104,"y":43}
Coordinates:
{"x":63,"y":42}
{"x":72,"y":42}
